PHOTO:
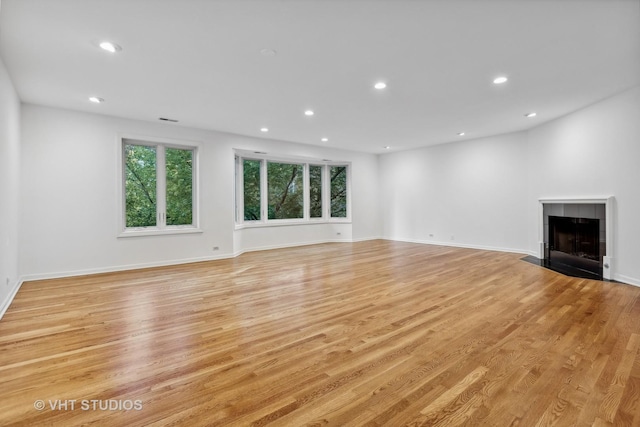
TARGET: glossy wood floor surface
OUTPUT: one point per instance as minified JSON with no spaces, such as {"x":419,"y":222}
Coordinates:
{"x":371,"y":333}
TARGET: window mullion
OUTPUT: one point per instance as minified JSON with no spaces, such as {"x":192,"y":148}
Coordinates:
{"x":306,"y":193}
{"x":239,"y":190}
{"x":326,"y":193}
{"x":264,"y":202}
{"x":161,"y":187}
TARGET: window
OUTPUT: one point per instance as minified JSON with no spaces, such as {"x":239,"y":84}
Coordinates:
{"x":140,"y":186}
{"x":315,"y":191}
{"x":278,"y":191}
{"x":252,"y":209}
{"x":158,"y":187}
{"x":286,"y":197}
{"x":338,"y":191}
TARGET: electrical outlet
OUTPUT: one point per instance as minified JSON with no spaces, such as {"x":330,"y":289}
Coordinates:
{"x":430,"y":234}
{"x":339,"y":233}
{"x":453,"y":237}
{"x":8,"y":281}
{"x":216,"y":248}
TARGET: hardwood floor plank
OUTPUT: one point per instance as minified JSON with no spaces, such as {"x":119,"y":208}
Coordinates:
{"x":376,"y":333}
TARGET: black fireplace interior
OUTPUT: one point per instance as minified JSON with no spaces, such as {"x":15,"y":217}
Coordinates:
{"x":575,"y":243}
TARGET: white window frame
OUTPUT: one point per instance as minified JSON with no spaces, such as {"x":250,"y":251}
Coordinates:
{"x":161,"y":228}
{"x":240,"y":155}
{"x":327,"y":180}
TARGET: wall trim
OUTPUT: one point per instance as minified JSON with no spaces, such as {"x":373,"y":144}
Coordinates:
{"x":294,"y":245}
{"x":168,"y":263}
{"x":627,"y":280}
{"x":126,"y":267}
{"x":7,"y":302}
{"x":618,"y":277}
{"x":463,"y":245}
{"x":46,"y":276}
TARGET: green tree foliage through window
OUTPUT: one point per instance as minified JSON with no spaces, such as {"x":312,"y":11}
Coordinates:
{"x":285,"y":190}
{"x":251,"y":170}
{"x":338,"y":191}
{"x":158,"y":186}
{"x":179,"y":174}
{"x":315,"y":191}
{"x":140,"y":185}
{"x":271,"y":190}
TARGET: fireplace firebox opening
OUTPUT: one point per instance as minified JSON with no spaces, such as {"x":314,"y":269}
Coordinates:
{"x":575,"y":242}
{"x":575,"y":236}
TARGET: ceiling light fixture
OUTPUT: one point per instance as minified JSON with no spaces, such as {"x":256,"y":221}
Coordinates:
{"x":110,"y":47}
{"x":386,"y":147}
{"x":500,"y":80}
{"x":309,"y":113}
{"x":530,"y":115}
{"x":264,"y":129}
{"x":268,"y":52}
{"x":380,"y":85}
{"x":460,"y":133}
{"x":96,"y":100}
{"x":324,"y":139}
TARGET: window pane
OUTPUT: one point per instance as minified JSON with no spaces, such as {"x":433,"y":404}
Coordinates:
{"x":315,"y":191}
{"x":286,"y":198}
{"x":251,"y":190}
{"x":140,"y":185}
{"x":338,"y":191}
{"x":179,"y":186}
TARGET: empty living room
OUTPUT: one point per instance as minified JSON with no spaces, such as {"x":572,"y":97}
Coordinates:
{"x":319,"y":212}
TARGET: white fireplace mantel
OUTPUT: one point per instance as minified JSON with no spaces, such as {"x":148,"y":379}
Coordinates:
{"x":608,"y":201}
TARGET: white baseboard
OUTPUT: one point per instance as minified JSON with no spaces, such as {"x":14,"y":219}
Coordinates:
{"x":294,"y":245}
{"x":626,"y":279}
{"x":366,"y":239}
{"x":125,"y":267}
{"x":617,"y":277}
{"x":74,"y":273}
{"x":7,"y":302}
{"x":463,"y":245}
{"x":5,"y":305}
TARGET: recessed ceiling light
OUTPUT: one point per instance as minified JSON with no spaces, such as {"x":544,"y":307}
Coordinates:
{"x":110,"y":47}
{"x":324,"y":139}
{"x":460,"y":133}
{"x":386,"y":147}
{"x":264,"y":129}
{"x":530,"y":115}
{"x":380,"y":85}
{"x":500,"y":80}
{"x":309,"y":113}
{"x":96,"y":100}
{"x":268,"y":52}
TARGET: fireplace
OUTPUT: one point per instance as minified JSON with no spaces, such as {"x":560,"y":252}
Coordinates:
{"x":576,"y":236}
{"x":575,"y":242}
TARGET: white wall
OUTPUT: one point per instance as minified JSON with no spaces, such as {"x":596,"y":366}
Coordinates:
{"x":485,"y":192}
{"x":466,"y":193}
{"x":69,"y":196}
{"x":482,"y":192}
{"x":591,"y":153}
{"x":9,"y":187}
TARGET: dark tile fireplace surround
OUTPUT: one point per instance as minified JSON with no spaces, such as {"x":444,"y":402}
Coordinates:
{"x":574,"y":239}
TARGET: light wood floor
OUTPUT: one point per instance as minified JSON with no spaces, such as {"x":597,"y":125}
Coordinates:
{"x":371,"y":333}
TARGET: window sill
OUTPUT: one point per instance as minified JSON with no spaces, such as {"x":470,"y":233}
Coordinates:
{"x":287,"y":223}
{"x":158,"y":232}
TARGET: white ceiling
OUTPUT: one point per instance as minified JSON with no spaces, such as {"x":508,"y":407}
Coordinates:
{"x":199,"y":62}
